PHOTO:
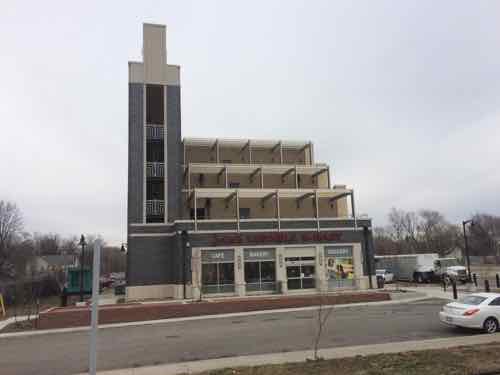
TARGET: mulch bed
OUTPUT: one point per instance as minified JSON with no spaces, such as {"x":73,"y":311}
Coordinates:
{"x":80,"y":316}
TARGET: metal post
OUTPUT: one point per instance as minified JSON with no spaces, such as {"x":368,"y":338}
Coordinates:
{"x":278,"y":209}
{"x":238,"y":208}
{"x":353,"y":210}
{"x":296,"y":178}
{"x":217,"y":155}
{"x":454,"y":286}
{"x":474,"y":278}
{"x":195,"y":212}
{"x":486,"y":286}
{"x":316,"y":209}
{"x":82,"y":262}
{"x":498,"y":280}
{"x":368,"y":256}
{"x":95,"y":304}
{"x":466,"y":243}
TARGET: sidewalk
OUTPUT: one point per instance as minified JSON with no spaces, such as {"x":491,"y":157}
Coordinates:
{"x":301,"y":356}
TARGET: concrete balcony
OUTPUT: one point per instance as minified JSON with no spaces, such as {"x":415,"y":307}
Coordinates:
{"x":267,"y":209}
{"x":155,"y":207}
{"x":155,"y":169}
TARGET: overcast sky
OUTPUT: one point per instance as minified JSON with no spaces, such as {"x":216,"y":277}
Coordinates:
{"x":402,"y":98}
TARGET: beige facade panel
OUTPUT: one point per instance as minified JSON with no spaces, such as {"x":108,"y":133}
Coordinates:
{"x":136,"y":74}
{"x":154,"y":53}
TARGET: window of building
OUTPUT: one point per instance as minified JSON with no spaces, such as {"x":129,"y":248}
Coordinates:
{"x":200,"y":213}
{"x":155,"y":151}
{"x":300,"y":272}
{"x":154,"y":104}
{"x":339,"y":267}
{"x":244,"y":213}
{"x":217,"y":271}
{"x":155,"y":190}
{"x":260,"y":270}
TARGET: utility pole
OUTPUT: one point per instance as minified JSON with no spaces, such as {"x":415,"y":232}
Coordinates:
{"x":95,"y":304}
{"x":82,"y":261}
{"x":466,"y":244}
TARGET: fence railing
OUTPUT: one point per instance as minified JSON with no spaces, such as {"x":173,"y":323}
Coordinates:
{"x":154,"y":132}
{"x":155,"y":207}
{"x":155,"y":169}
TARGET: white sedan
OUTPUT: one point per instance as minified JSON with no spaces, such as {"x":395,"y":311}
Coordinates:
{"x":478,"y":310}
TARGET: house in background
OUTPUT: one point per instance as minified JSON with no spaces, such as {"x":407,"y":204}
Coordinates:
{"x":47,"y":264}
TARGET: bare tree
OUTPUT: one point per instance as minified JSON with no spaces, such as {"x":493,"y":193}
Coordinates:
{"x":11,"y":225}
{"x":322,"y":315}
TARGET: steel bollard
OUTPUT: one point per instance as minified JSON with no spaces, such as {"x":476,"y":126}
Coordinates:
{"x":454,"y":286}
{"x":486,"y":286}
{"x":498,"y":280}
{"x":474,"y":277}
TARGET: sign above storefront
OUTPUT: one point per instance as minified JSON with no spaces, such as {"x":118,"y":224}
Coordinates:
{"x":275,"y":237}
{"x":334,"y":251}
{"x":217,"y":256}
{"x":259,"y":254}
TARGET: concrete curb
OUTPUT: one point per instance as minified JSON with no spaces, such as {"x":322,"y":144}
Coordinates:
{"x":6,"y":322}
{"x":215,"y":316}
{"x":302,"y":356}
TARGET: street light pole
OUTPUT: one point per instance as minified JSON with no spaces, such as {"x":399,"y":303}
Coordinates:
{"x":82,"y":260}
{"x":466,"y":243}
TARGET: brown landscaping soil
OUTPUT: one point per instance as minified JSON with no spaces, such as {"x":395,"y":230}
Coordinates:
{"x":80,"y":316}
{"x":468,"y":360}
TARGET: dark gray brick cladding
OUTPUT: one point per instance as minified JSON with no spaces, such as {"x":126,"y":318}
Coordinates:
{"x":135,"y":153}
{"x":174,"y":152}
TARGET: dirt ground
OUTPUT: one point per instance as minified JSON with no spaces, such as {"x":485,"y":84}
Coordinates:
{"x":469,"y":360}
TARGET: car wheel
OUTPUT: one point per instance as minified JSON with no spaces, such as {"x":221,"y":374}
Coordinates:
{"x":490,"y":325}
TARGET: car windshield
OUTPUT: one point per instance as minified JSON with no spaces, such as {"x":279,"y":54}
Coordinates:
{"x":471,"y":300}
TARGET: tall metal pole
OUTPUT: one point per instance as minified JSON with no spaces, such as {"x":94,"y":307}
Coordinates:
{"x":82,"y":261}
{"x":368,"y":255}
{"x":466,"y":242}
{"x":95,"y":304}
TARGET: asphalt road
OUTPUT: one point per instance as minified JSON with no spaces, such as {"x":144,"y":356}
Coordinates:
{"x":66,"y":353}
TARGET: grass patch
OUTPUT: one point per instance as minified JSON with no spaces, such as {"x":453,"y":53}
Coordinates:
{"x":468,"y":360}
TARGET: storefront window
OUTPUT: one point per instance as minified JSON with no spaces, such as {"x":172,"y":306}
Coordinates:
{"x":260,"y":270}
{"x":339,"y":267}
{"x":300,"y":272}
{"x":217,"y":271}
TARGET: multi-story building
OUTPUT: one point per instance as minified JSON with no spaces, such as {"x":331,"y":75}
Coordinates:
{"x":229,"y":216}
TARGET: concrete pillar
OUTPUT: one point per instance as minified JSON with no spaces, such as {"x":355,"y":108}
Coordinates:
{"x":239,"y":272}
{"x":361,"y":281}
{"x":281,"y":268}
{"x":321,"y":280}
{"x":196,"y":273}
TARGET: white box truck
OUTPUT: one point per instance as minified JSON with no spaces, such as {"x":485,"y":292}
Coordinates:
{"x":422,"y":267}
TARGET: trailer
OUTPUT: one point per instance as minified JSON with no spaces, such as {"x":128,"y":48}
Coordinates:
{"x":409,"y":267}
{"x":422,"y":267}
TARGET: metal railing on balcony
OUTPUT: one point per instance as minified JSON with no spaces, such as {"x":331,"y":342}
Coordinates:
{"x":155,"y":207}
{"x":154,"y":132}
{"x":155,"y":169}
{"x":273,"y":224}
